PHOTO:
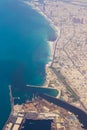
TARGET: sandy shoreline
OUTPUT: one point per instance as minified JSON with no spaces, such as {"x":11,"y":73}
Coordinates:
{"x":55,"y":28}
{"x":51,"y":43}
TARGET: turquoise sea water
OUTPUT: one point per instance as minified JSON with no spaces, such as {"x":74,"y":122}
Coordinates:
{"x":24,"y":50}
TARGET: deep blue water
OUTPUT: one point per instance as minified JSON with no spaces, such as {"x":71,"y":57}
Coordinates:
{"x":24,"y":50}
{"x":37,"y":124}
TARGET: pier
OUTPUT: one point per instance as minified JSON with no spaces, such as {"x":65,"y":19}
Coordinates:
{"x":11,"y":97}
{"x":42,"y":109}
{"x":42,"y":89}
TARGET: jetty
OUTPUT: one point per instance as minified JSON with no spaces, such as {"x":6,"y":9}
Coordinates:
{"x":43,"y":109}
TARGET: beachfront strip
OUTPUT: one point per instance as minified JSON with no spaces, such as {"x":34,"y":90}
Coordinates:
{"x":68,"y":71}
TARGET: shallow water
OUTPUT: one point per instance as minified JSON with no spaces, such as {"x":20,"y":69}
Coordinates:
{"x":24,"y":50}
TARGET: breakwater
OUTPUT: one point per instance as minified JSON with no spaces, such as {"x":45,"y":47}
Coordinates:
{"x":24,"y":50}
{"x":30,"y":92}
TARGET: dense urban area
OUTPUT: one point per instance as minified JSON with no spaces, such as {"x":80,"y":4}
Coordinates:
{"x":67,"y":69}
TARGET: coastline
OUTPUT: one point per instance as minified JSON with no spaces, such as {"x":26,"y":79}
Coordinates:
{"x":43,"y":14}
{"x":51,"y":79}
{"x":52,"y":44}
{"x":68,"y":62}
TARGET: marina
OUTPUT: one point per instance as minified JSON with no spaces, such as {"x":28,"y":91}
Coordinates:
{"x":46,"y":109}
{"x":61,"y":104}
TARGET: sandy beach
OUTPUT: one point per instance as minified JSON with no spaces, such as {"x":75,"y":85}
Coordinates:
{"x":56,"y":28}
{"x":70,"y":55}
{"x":51,"y":43}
